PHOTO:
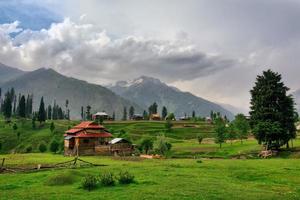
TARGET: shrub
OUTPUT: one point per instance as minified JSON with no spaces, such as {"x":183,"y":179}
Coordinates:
{"x":199,"y":161}
{"x":42,"y":147}
{"x":107,"y":179}
{"x":61,"y":179}
{"x":89,"y":182}
{"x":28,"y":149}
{"x":125,"y":177}
{"x":54,"y":146}
{"x":200,"y":137}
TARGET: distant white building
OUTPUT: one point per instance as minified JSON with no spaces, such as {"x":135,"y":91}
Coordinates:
{"x":99,"y":115}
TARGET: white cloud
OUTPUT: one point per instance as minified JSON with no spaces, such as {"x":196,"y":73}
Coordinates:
{"x":85,"y":51}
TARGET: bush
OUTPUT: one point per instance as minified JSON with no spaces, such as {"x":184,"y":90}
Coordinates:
{"x":89,"y":182}
{"x":54,"y":146}
{"x":125,"y":177}
{"x":42,"y":147}
{"x":28,"y":149}
{"x":107,"y":179}
{"x":61,"y":179}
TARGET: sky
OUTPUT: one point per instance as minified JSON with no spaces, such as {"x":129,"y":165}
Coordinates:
{"x":212,"y":48}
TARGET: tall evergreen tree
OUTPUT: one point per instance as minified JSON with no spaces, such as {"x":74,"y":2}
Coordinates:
{"x":22,"y":107}
{"x":82,"y":113}
{"x":193,"y":114}
{"x":42,"y":111}
{"x":272,"y":111}
{"x":49,"y":112}
{"x":145,"y":115}
{"x":164,"y":112}
{"x":67,"y":110}
{"x":7,"y":106}
{"x":88,"y":113}
{"x":131,"y":112}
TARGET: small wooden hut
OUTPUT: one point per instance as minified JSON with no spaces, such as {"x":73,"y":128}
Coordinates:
{"x":87,"y":138}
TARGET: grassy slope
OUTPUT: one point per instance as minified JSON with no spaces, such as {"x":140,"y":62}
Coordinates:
{"x":182,"y":137}
{"x":161,"y":179}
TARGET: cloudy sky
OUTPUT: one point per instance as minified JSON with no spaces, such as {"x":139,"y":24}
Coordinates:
{"x":211,"y":48}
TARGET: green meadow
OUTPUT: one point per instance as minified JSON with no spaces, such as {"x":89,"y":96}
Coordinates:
{"x":158,"y":179}
{"x":191,"y":171}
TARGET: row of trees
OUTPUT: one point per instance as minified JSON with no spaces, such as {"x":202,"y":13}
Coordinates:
{"x":237,"y":129}
{"x":22,"y":107}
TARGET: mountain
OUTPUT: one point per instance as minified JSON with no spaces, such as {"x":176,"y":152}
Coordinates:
{"x":146,"y":90}
{"x":54,"y":86}
{"x":235,"y":110}
{"x":8,"y":73}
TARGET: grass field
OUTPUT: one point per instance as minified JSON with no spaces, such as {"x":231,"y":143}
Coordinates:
{"x":159,"y":179}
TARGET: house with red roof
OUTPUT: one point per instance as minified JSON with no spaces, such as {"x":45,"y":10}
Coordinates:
{"x":87,"y":138}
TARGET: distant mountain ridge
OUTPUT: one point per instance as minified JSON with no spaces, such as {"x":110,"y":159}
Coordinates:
{"x":54,"y":86}
{"x":146,"y":90}
{"x":7,"y":73}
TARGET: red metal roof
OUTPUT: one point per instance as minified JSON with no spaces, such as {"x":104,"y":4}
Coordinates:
{"x":89,"y":124}
{"x":99,"y":135}
{"x":74,"y":130}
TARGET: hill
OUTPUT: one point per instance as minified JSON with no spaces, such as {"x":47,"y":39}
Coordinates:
{"x":8,"y":73}
{"x":146,"y":90}
{"x":54,"y":86}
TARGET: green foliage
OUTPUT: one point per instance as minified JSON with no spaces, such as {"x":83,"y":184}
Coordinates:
{"x":125,"y":177}
{"x":170,"y":116}
{"x":54,"y":146}
{"x":272,"y":111}
{"x":61,"y":179}
{"x":42,"y":112}
{"x":42,"y":147}
{"x":200,"y":137}
{"x":146,"y":145}
{"x":107,"y":179}
{"x":168,"y":125}
{"x":22,"y":108}
{"x":89,"y":182}
{"x":162,"y":146}
{"x":231,"y":132}
{"x":164,"y":112}
{"x":28,"y":149}
{"x":241,"y":126}
{"x":131,"y":112}
{"x":33,"y":122}
{"x":52,"y":127}
{"x":153,"y":109}
{"x":15,"y":127}
{"x":220,"y":130}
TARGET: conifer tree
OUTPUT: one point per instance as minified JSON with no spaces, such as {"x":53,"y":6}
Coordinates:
{"x":42,"y":111}
{"x":272,"y":111}
{"x":131,"y":112}
{"x":124,"y":114}
{"x":22,"y":107}
{"x":164,"y":112}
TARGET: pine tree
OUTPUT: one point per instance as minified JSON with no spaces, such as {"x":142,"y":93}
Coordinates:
{"x":49,"y":112}
{"x":193,"y":114}
{"x":164,"y":112}
{"x":272,"y":111}
{"x":42,"y":111}
{"x":67,"y":110}
{"x":82,"y":113}
{"x":22,"y":107}
{"x":145,"y":115}
{"x":114,"y":116}
{"x":7,"y":106}
{"x":131,"y":112}
{"x":88,"y":113}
